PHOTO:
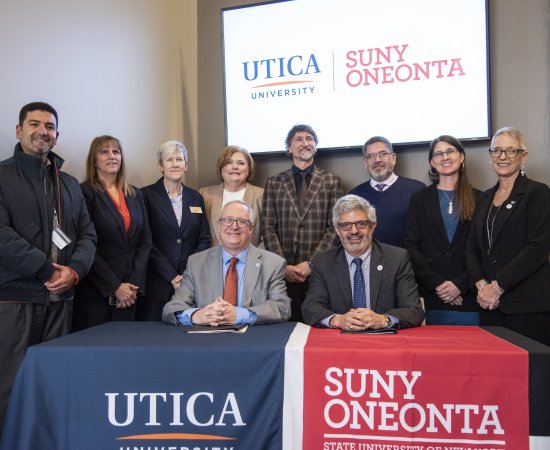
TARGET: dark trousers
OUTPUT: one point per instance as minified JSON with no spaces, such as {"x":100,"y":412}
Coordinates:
{"x":297,"y":293}
{"x":23,"y":325}
{"x":89,"y":312}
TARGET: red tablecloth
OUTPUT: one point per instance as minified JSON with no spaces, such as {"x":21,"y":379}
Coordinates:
{"x":430,"y":388}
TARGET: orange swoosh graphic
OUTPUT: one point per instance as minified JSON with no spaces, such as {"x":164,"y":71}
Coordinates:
{"x":279,"y":83}
{"x":198,"y":437}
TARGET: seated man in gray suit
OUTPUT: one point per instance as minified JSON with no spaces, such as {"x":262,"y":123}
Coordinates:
{"x":232,"y":284}
{"x":365,"y":284}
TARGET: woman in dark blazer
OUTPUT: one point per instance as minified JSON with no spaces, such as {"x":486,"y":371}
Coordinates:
{"x":508,"y":247}
{"x":178,"y":225}
{"x":117,"y":277}
{"x":438,"y":224}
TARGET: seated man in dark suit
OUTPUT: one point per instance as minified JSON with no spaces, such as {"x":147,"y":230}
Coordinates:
{"x":364,"y":284}
{"x":232,"y":284}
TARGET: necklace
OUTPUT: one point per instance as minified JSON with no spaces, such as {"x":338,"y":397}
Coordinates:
{"x":490,"y":230}
{"x":450,"y":208}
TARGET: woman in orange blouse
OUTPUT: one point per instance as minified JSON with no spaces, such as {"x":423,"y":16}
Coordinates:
{"x":117,"y":277}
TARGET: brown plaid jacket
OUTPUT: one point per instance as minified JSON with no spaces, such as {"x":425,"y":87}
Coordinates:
{"x":294,"y":236}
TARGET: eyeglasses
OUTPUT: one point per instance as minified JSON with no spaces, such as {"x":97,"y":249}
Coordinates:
{"x":510,"y":152}
{"x":229,"y":221}
{"x":449,"y":152}
{"x":360,"y":225}
{"x":374,"y":156}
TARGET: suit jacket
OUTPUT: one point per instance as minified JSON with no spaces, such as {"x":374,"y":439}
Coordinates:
{"x":120,"y":257}
{"x":213,"y":199}
{"x":392,"y":286}
{"x":299,"y":236}
{"x":434,"y":259}
{"x":264,"y":285}
{"x":172,"y":243}
{"x":518,"y":258}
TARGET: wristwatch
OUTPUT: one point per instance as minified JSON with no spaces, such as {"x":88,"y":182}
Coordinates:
{"x":388,"y":320}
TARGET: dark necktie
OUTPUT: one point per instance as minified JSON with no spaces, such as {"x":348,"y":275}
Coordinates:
{"x":359,"y":296}
{"x":230,"y":287}
{"x":302,"y":192}
{"x":380,"y":186}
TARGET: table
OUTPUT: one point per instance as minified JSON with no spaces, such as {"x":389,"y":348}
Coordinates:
{"x":127,"y":385}
{"x":149,"y":385}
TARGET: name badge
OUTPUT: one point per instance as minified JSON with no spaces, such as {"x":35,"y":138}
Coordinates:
{"x":60,"y":239}
{"x":195,"y":209}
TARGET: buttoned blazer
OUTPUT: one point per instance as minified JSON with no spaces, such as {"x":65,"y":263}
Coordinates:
{"x":434,"y":259}
{"x":120,"y":257}
{"x":288,"y":232}
{"x":392,"y":286}
{"x":518,"y":258}
{"x":264,"y":285}
{"x":213,"y":199}
{"x":172,"y":243}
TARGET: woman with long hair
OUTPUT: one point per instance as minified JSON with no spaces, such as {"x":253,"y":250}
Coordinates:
{"x":438,"y":224}
{"x":117,"y":277}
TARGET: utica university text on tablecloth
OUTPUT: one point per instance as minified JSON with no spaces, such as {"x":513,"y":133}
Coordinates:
{"x":182,"y":409}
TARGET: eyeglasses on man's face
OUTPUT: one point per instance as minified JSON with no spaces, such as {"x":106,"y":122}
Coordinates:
{"x":229,"y":221}
{"x":347,"y":226}
{"x":451,"y":151}
{"x":510,"y":152}
{"x":375,"y":156}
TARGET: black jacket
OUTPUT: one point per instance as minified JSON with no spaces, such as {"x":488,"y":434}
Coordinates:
{"x":435,"y":259}
{"x":518,"y":258}
{"x":120,"y":257}
{"x":26,"y":221}
{"x":172,"y":243}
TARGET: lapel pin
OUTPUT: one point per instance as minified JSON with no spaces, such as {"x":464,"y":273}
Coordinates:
{"x":509,"y":206}
{"x":379,"y":267}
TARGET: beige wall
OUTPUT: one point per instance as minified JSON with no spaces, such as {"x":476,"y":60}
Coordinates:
{"x":122,"y":67}
{"x":150,"y":70}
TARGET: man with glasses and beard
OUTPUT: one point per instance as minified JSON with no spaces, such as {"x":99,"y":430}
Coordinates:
{"x":233,"y":283}
{"x":363,"y":284}
{"x":387,"y":192}
{"x":296,"y":212}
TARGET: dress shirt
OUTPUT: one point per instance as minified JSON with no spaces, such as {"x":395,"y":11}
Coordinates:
{"x":177,"y":204}
{"x":365,"y":257}
{"x":387,"y":183}
{"x":243,"y":315}
{"x":366,"y":270}
{"x":352,"y":268}
{"x":298,"y":178}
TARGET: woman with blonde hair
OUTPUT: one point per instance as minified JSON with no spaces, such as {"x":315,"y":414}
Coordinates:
{"x":117,"y":277}
{"x":508,"y":248}
{"x":235,"y":167}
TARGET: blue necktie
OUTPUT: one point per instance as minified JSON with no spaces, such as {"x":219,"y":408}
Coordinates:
{"x":359,"y":296}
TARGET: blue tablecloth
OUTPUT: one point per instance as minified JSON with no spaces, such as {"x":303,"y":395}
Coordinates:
{"x":102,"y":387}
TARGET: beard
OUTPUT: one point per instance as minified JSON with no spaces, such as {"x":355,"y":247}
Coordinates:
{"x":381,"y":174}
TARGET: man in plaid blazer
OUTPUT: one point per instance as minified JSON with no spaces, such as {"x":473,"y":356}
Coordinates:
{"x":296,"y":223}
